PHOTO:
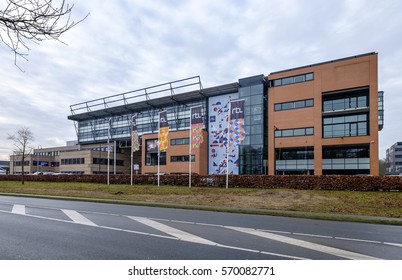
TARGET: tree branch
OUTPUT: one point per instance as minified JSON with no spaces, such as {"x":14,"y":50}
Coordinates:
{"x":24,"y":21}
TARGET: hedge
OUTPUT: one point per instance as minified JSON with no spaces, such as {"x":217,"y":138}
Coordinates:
{"x":303,"y":182}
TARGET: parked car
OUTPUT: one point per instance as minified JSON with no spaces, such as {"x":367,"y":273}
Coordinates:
{"x":3,"y":171}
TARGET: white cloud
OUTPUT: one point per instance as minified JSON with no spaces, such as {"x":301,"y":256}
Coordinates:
{"x":127,"y":45}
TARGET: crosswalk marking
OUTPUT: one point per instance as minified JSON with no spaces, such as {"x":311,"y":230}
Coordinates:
{"x":181,"y":235}
{"x":18,"y":209}
{"x":78,"y":218}
{"x":305,"y":244}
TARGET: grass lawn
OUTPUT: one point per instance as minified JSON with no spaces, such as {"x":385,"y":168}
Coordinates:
{"x":382,"y":204}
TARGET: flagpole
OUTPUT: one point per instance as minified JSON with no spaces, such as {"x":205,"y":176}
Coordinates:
{"x":108,"y":159}
{"x":131,"y":157}
{"x":189,"y":154}
{"x":159,"y":147}
{"x":227,"y":147}
{"x":108,"y":150}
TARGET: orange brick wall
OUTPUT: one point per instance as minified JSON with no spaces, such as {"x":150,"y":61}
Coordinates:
{"x":338,"y":75}
{"x":199,"y":166}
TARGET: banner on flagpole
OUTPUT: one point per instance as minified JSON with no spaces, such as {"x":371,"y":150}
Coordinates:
{"x":236,"y":125}
{"x":135,"y":144}
{"x":196,"y":126}
{"x":163,"y":131}
{"x":109,"y":129}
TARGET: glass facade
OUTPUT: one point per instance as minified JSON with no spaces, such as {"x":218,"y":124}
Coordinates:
{"x":346,"y":113}
{"x":96,"y":130}
{"x":297,"y":160}
{"x":353,"y":102}
{"x":380,"y":110}
{"x":346,"y":159}
{"x":252,"y":152}
{"x":345,"y":126}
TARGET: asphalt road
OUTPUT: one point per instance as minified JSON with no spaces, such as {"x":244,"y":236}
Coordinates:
{"x":34,"y":229}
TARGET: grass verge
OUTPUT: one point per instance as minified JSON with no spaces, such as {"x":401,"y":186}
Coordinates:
{"x":376,"y":207}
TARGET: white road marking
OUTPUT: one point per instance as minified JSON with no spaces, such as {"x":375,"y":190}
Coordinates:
{"x":305,"y":244}
{"x":18,"y":209}
{"x":358,"y":240}
{"x":275,"y":231}
{"x":78,"y":218}
{"x":283,"y":256}
{"x":312,"y":235}
{"x":393,"y":244}
{"x":181,"y":235}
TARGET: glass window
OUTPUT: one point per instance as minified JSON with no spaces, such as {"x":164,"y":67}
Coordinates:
{"x":350,"y":125}
{"x":288,"y":80}
{"x":257,"y":119}
{"x":362,"y":101}
{"x":256,"y":99}
{"x":362,"y":127}
{"x":327,"y":106}
{"x":278,"y":107}
{"x":287,"y":133}
{"x":247,"y":110}
{"x":353,"y":102}
{"x":277,"y":82}
{"x":310,"y":131}
{"x":257,"y":89}
{"x":287,"y":106}
{"x":299,"y":104}
{"x":256,"y":129}
{"x":256,"y":139}
{"x":244,"y":92}
{"x":309,"y":76}
{"x":362,"y":117}
{"x":338,"y":104}
{"x":351,"y":118}
{"x":309,"y":102}
{"x":299,"y":132}
{"x":257,"y":110}
{"x":300,"y":78}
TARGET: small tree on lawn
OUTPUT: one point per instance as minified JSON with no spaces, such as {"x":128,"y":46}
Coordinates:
{"x":21,"y":141}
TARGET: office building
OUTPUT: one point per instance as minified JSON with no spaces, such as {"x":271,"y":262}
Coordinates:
{"x":394,"y":159}
{"x":317,"y":119}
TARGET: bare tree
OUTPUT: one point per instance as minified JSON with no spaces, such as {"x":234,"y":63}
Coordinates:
{"x":23,"y":21}
{"x":21,"y":141}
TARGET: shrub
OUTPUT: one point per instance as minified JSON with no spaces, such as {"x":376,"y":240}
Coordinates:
{"x":303,"y":182}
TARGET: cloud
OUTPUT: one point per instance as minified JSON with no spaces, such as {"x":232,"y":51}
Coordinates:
{"x":128,"y":45}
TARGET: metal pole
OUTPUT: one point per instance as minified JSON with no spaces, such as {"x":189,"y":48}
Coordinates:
{"x":275,"y":129}
{"x":131,"y":163}
{"x":108,"y":159}
{"x":189,"y":155}
{"x":159,"y":148}
{"x":227,"y":148}
{"x":114,"y":158}
{"x":109,"y":135}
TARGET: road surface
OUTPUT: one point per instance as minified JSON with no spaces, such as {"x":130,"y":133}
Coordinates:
{"x":34,"y":229}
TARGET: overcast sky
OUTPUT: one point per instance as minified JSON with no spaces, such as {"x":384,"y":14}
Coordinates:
{"x":128,"y":45}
